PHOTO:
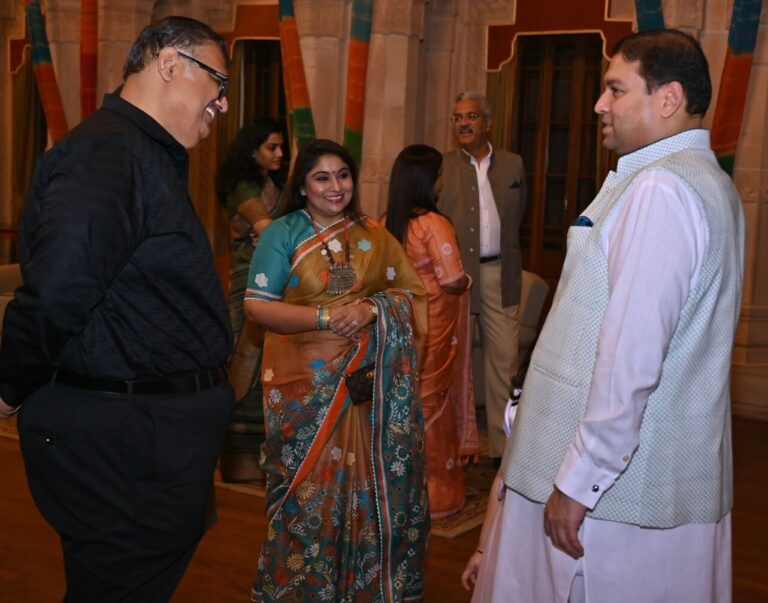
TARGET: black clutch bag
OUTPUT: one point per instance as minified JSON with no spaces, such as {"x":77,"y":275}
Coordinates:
{"x":360,"y":384}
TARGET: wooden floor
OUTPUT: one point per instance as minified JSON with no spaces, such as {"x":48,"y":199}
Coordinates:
{"x":221,"y":572}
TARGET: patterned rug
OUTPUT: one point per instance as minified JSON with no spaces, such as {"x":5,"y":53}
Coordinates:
{"x":477,"y":478}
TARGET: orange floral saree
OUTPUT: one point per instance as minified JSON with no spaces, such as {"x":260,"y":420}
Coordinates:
{"x":446,"y":380}
{"x":346,"y":500}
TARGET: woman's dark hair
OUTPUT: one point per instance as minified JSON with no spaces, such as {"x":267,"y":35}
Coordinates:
{"x":239,"y":165}
{"x":412,"y":187}
{"x":669,"y":55}
{"x":174,"y":32}
{"x":307,"y":159}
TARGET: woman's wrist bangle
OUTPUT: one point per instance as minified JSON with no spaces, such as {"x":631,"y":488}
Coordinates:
{"x":373,"y":307}
{"x":323,"y":318}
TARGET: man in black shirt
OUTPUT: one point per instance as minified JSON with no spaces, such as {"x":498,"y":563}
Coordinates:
{"x":114,"y":345}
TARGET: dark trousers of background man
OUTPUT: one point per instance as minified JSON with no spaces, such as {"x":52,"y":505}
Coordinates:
{"x":126,"y":481}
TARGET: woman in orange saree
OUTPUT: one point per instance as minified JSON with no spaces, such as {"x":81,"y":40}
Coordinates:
{"x":346,"y":499}
{"x":446,"y":379}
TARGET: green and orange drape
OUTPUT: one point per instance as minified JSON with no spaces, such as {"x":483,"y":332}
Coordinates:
{"x":649,"y":14}
{"x":296,"y":92}
{"x":357,"y":68}
{"x":734,"y":83}
{"x":44,"y":74}
{"x":731,"y":99}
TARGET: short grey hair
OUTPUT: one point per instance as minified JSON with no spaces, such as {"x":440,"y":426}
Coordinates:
{"x":485,"y":106}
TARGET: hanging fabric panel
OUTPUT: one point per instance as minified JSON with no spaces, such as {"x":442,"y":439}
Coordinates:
{"x":296,"y":92}
{"x":357,"y":68}
{"x":734,"y":82}
{"x":650,"y":14}
{"x":44,"y":74}
{"x":89,"y":24}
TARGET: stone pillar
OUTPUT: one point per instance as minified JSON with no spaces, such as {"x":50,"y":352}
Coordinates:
{"x":454,"y":56}
{"x":750,"y":367}
{"x":120,"y":21}
{"x":709,"y":21}
{"x":62,"y":24}
{"x":323,"y":27}
{"x":439,"y":86}
{"x":391,"y":111}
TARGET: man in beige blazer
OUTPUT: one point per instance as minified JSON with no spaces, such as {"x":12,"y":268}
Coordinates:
{"x":484,"y":197}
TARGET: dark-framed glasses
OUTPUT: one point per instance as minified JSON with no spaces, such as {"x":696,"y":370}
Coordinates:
{"x":223,"y":80}
{"x":471,"y":116}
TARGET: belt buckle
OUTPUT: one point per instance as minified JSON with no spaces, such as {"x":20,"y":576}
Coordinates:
{"x":203,"y":380}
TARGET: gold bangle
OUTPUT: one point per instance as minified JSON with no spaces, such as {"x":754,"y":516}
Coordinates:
{"x":323,"y":318}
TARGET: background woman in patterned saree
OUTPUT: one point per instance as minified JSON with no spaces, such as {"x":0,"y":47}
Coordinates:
{"x":248,"y":185}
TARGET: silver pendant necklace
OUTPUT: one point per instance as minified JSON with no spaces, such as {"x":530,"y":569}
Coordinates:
{"x":341,"y":275}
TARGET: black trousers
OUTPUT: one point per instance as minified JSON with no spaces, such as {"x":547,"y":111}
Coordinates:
{"x":126,"y":481}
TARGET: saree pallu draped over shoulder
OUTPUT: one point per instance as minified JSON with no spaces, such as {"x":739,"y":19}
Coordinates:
{"x":346,"y":501}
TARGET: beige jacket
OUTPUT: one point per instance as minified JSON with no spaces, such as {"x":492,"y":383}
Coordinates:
{"x":460,"y":202}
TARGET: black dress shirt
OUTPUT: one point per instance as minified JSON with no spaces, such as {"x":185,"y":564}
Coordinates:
{"x":119,"y":280}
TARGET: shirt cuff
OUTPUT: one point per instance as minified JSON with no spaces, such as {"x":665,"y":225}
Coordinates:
{"x":580,"y":480}
{"x":14,"y":396}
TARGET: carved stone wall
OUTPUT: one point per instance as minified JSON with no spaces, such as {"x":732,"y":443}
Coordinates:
{"x":120,"y":21}
{"x":323,"y":32}
{"x":750,"y":369}
{"x":454,"y":58}
{"x":391,"y":107}
{"x":62,"y":21}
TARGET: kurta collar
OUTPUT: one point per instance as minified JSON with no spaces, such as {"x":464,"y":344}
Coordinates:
{"x":697,"y":138}
{"x":471,"y":160}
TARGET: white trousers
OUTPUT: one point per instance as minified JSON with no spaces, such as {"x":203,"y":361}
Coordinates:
{"x":622,"y":563}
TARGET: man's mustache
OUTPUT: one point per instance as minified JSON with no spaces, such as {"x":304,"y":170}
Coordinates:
{"x":466,"y":130}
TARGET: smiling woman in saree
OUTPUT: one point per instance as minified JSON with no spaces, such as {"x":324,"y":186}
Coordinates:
{"x":343,"y":457}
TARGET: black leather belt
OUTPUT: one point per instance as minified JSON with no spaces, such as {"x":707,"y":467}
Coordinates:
{"x":490,"y":258}
{"x":195,"y":382}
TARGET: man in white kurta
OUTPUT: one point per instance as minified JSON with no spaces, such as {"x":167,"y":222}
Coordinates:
{"x":618,"y":470}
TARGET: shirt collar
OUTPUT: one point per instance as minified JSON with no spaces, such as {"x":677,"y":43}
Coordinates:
{"x":116,"y":104}
{"x":697,"y":138}
{"x":470,"y":159}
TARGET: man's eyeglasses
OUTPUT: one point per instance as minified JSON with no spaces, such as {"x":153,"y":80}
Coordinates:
{"x":471,"y":116}
{"x":222,"y":79}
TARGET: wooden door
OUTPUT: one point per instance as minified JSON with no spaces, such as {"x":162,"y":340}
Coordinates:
{"x":557,"y":132}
